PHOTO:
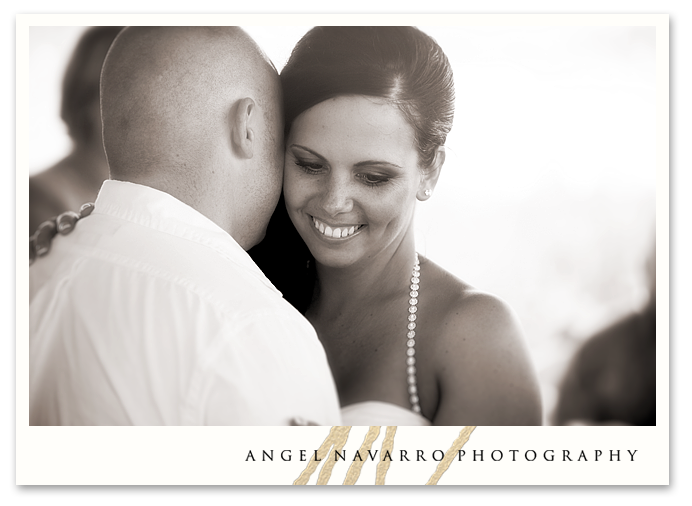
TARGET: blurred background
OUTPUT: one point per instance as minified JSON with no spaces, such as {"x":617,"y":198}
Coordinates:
{"x":547,"y":196}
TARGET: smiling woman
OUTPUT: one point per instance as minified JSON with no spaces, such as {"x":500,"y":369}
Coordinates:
{"x":351,"y":178}
{"x":367,"y":114}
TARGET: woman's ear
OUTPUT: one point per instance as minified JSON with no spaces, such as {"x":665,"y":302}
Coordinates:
{"x":432,"y":174}
{"x":242,"y":134}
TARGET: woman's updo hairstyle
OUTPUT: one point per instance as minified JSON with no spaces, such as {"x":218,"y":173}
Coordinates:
{"x":400,"y":64}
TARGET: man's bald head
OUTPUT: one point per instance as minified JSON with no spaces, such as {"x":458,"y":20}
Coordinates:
{"x":165,"y":90}
{"x":169,"y":99}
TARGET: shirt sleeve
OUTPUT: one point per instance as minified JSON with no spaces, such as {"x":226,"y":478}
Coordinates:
{"x":265,"y":370}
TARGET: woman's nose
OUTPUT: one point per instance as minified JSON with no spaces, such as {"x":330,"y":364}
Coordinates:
{"x":337,"y":195}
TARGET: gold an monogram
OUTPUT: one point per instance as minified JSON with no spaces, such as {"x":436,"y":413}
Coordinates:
{"x":337,"y":438}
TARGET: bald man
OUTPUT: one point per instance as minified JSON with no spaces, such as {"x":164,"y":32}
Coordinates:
{"x":151,"y":312}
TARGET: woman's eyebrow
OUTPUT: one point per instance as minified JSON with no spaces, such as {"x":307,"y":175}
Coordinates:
{"x":364,"y":163}
{"x":308,"y":150}
{"x":377,"y":162}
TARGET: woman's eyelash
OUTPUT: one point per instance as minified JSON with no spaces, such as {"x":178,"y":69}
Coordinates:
{"x":310,"y":168}
{"x":371,"y":180}
{"x":367,"y":179}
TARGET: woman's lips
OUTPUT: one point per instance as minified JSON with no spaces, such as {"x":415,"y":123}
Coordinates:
{"x":335,"y":232}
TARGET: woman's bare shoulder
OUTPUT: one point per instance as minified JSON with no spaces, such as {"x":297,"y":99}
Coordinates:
{"x":481,"y":358}
{"x":461,"y":306}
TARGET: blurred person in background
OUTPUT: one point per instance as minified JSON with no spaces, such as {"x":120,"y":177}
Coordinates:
{"x":612,"y":377}
{"x":76,"y":178}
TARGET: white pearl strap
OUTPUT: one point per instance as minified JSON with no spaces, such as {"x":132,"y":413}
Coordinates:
{"x":411,"y":342}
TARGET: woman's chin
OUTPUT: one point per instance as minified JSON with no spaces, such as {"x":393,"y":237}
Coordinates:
{"x":334,"y":257}
{"x":334,"y":260}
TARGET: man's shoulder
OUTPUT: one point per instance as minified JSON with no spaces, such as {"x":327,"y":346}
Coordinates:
{"x":133,"y":257}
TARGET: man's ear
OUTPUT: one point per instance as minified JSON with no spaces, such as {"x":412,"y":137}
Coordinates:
{"x":242,"y":134}
{"x":432,"y":174}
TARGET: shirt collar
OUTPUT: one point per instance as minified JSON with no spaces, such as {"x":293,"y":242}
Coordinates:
{"x":161,"y":211}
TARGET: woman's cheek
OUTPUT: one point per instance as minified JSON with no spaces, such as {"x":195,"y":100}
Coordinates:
{"x":290,"y":186}
{"x":288,"y":173}
{"x":397,"y":198}
{"x":298,"y":190}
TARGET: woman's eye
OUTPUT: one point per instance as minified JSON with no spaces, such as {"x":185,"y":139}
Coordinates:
{"x":373,"y":179}
{"x":309,"y":167}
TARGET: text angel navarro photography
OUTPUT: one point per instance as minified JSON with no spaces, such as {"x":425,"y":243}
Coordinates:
{"x":333,"y":454}
{"x":513,"y":455}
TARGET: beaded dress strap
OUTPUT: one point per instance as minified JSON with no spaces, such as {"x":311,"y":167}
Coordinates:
{"x":410,"y":336}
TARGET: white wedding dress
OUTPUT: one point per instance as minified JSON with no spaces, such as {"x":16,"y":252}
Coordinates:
{"x":380,"y":413}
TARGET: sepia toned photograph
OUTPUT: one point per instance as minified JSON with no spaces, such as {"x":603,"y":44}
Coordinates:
{"x":344,"y":226}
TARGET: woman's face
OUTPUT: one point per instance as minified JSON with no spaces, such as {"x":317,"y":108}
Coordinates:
{"x":351,"y":177}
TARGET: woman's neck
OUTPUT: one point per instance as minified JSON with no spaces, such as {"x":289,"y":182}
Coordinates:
{"x":366,"y":281}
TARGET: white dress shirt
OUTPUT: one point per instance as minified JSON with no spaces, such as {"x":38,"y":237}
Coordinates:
{"x":148,"y":313}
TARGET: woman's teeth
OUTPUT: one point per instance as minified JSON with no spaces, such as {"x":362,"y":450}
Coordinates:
{"x":336,"y":232}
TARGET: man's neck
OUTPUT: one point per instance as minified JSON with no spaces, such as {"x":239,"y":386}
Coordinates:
{"x":202,"y":196}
